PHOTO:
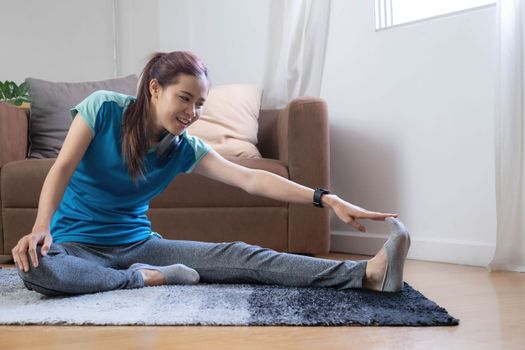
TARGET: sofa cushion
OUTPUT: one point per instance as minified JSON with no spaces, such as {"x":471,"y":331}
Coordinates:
{"x":27,"y":174}
{"x":193,"y":190}
{"x":263,"y":226}
{"x":50,"y":104}
{"x":229,"y":120}
{"x":188,"y":190}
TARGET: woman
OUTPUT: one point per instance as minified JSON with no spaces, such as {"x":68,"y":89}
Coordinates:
{"x":91,"y":233}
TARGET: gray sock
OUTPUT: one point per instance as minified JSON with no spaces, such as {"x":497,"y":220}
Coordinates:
{"x":174,"y":274}
{"x":396,"y":248}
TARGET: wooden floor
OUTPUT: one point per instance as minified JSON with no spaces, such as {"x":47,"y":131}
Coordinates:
{"x":491,"y":307}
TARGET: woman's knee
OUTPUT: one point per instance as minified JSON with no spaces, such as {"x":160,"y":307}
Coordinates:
{"x":41,"y":278}
{"x":42,"y":290}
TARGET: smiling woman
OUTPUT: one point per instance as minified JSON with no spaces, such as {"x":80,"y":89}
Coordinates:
{"x":92,"y":233}
{"x":171,"y":93}
{"x":180,"y":102}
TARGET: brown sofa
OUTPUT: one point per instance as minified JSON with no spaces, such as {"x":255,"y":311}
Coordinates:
{"x":293,"y":141}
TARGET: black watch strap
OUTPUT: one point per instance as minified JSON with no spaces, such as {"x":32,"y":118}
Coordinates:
{"x":319,"y":192}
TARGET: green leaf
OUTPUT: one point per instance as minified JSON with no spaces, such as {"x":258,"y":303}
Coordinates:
{"x":23,"y":89}
{"x":16,"y":91}
{"x":2,"y":89}
{"x":17,"y":101}
{"x":14,"y":94}
{"x":11,"y":89}
{"x":5,"y":92}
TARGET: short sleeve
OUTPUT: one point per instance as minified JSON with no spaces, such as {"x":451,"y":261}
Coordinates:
{"x":89,"y":107}
{"x":200,"y":149}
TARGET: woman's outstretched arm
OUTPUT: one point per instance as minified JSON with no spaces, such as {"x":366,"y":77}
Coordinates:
{"x":263,"y":183}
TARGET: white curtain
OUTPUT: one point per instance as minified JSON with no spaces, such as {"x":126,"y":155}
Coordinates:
{"x":296,"y":50}
{"x":509,"y":137}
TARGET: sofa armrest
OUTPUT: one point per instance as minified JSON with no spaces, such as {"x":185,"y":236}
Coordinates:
{"x":304,"y":145}
{"x":13,"y":133}
{"x":13,"y":144}
{"x":303,"y":141}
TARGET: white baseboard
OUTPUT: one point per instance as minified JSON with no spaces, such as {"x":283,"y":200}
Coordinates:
{"x":455,"y":252}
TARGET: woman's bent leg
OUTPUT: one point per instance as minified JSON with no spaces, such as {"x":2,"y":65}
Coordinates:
{"x":69,"y":270}
{"x":238,"y":262}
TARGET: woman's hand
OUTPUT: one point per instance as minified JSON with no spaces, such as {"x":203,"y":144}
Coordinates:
{"x":27,"y":244}
{"x":348,"y":212}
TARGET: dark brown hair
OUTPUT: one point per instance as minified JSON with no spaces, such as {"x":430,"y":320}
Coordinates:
{"x":165,"y":68}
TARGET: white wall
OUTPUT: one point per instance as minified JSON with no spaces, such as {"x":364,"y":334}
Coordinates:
{"x":137,"y":23}
{"x":411,"y":113}
{"x":56,"y":40}
{"x":74,"y":40}
{"x":230,"y":36}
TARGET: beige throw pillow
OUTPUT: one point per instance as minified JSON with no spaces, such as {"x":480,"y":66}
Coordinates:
{"x":229,"y":120}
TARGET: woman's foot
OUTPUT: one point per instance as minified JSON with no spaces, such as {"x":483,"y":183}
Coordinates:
{"x":375,"y":271}
{"x":384,"y":272}
{"x":171,"y":274}
{"x":152,"y":277}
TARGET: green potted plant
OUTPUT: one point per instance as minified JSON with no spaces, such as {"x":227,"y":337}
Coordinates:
{"x":14,"y":94}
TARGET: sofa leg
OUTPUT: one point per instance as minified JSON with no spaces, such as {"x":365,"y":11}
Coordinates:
{"x":6,"y":259}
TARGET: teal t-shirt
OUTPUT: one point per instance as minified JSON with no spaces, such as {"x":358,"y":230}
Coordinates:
{"x":101,"y":204}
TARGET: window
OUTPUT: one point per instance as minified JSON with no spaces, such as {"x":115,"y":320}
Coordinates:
{"x":393,"y":12}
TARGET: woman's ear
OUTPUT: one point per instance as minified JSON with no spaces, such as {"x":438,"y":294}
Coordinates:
{"x":154,"y":88}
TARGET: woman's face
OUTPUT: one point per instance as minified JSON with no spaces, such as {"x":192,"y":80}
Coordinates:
{"x":176,"y":106}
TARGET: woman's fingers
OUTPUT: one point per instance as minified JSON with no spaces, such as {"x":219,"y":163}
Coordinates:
{"x":348,"y":213}
{"x":372,"y":215}
{"x":27,"y":246}
{"x":47,"y":243}
{"x":32,"y":251}
{"x":369,"y":215}
{"x":383,"y":217}
{"x":21,"y":255}
{"x":15,"y":257}
{"x":357,"y":225}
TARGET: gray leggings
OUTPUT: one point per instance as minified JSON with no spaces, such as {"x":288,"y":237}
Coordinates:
{"x":75,"y":268}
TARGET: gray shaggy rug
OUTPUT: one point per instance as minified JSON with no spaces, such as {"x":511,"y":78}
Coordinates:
{"x":220,"y":304}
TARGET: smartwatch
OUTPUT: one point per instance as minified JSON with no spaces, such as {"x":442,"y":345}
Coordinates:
{"x":319,"y":192}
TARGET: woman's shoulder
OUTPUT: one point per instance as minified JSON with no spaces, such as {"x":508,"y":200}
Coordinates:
{"x":100,"y":96}
{"x":91,"y":106}
{"x":198,"y":145}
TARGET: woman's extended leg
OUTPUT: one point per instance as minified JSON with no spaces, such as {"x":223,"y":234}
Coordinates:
{"x":238,"y":262}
